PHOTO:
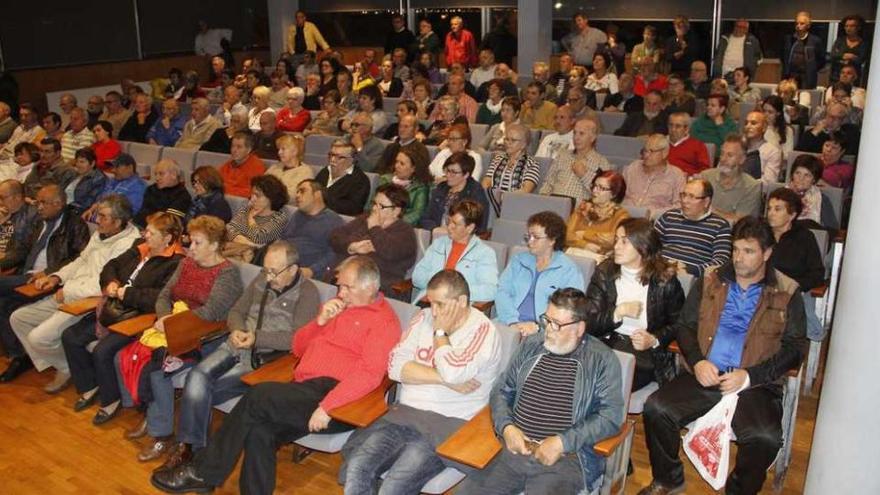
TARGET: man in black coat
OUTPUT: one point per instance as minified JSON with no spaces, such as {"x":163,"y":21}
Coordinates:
{"x":348,"y":187}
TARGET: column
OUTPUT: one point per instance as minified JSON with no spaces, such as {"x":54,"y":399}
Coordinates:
{"x":844,"y":456}
{"x":282,"y":14}
{"x":535,"y":33}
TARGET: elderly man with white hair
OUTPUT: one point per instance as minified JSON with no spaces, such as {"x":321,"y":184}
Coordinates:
{"x":7,"y":125}
{"x":167,"y":193}
{"x":199,"y":128}
{"x":231,"y":102}
{"x":77,"y":136}
{"x":293,"y":117}
{"x":573,"y":171}
{"x":652,"y":182}
{"x":67,"y":103}
{"x":167,"y":130}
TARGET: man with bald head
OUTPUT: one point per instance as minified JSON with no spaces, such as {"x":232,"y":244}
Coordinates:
{"x":457,"y":68}
{"x":467,"y":106}
{"x":563,"y":123}
{"x":803,"y":54}
{"x":763,"y":158}
{"x":77,"y":136}
{"x":651,"y":182}
{"x":572,"y":172}
{"x":625,"y":100}
{"x":167,"y":130}
{"x":67,"y":103}
{"x":200,"y":126}
{"x":813,"y":138}
{"x":698,"y":82}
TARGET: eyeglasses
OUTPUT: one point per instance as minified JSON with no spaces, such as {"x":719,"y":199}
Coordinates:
{"x":449,"y":171}
{"x":451,"y":138}
{"x":533,"y":237}
{"x":645,"y":151}
{"x":272,"y":274}
{"x":335,"y":156}
{"x":686,"y":195}
{"x":601,"y":188}
{"x":548,"y":324}
{"x":382,"y":207}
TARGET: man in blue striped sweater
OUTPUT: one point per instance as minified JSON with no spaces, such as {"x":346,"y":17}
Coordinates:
{"x":692,"y":235}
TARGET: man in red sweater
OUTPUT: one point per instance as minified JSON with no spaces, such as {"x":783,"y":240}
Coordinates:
{"x":343,"y":355}
{"x":687,"y":153}
{"x":244,"y":165}
{"x":460,"y":45}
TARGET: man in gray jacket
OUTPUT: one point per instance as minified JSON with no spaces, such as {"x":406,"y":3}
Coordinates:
{"x":272,"y":308}
{"x":738,"y":49}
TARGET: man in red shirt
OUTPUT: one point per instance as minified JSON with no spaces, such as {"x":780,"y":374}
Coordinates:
{"x":343,"y":355}
{"x":244,"y":165}
{"x":687,"y":153}
{"x":460,"y":45}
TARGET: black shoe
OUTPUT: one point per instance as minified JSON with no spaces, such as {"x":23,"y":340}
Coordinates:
{"x":17,"y":366}
{"x":83,"y":403}
{"x":103,"y":416}
{"x":182,"y":479}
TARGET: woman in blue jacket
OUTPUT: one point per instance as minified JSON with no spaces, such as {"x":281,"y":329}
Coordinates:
{"x":463,"y":251}
{"x":530,"y":277}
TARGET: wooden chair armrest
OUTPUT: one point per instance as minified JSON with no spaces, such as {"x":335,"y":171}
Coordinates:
{"x":484,"y":306}
{"x":364,"y":411}
{"x":28,"y":290}
{"x":134,"y":326}
{"x":820,"y":291}
{"x":184,"y":331}
{"x":607,"y":446}
{"x":81,"y":307}
{"x":474,"y":444}
{"x":402,"y":287}
{"x":279,"y":370}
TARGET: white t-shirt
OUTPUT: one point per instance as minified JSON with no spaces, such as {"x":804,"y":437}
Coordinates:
{"x":552,"y":143}
{"x":630,"y":289}
{"x":733,"y":55}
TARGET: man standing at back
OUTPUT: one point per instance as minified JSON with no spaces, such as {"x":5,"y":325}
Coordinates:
{"x":303,"y":36}
{"x":461,"y":46}
{"x":741,"y":328}
{"x":582,"y":42}
{"x":803,"y":54}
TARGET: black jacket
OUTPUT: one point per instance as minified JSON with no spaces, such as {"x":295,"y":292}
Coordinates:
{"x":173,"y":199}
{"x":65,"y":244}
{"x":349,"y":194}
{"x":433,"y":215}
{"x":634,"y":104}
{"x":149,"y":281}
{"x":664,"y":303}
{"x":136,"y":132}
{"x":210,"y":204}
{"x":797,"y":255}
{"x":634,"y":121}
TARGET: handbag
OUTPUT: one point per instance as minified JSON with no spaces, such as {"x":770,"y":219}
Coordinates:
{"x":113,"y":310}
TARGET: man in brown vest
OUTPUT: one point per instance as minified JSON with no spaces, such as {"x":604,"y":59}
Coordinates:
{"x":743,"y":325}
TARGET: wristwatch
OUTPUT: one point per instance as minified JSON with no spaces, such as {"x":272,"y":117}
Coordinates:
{"x":439,"y":333}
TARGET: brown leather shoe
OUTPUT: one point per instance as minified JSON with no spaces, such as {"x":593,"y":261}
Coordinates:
{"x":180,"y":453}
{"x":656,"y":488}
{"x":139,"y":431}
{"x":155,"y":449}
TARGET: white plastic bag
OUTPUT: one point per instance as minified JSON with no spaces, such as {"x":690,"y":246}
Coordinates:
{"x":707,"y":443}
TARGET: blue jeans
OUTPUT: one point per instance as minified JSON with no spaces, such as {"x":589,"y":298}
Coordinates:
{"x":402,"y":451}
{"x":214,"y":380}
{"x":815,"y":330}
{"x":511,"y":473}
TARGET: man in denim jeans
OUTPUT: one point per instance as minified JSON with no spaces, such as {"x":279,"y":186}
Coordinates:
{"x":263,"y":321}
{"x":447,"y":362}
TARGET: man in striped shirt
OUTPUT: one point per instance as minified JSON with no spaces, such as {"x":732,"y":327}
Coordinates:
{"x":561,"y":393}
{"x":692,"y":235}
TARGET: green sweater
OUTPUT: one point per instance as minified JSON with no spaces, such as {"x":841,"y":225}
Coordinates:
{"x":704,"y":129}
{"x":418,"y":199}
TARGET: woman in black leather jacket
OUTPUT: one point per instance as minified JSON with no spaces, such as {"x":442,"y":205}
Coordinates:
{"x":633,"y":300}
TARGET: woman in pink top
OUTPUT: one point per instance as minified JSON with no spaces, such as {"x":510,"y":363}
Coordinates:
{"x":293,"y":117}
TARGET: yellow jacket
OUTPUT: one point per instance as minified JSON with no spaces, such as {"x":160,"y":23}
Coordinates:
{"x":312,"y":35}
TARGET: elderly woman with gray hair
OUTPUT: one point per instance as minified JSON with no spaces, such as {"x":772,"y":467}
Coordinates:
{"x":167,"y":193}
{"x":293,"y":117}
{"x":260,"y":100}
{"x":221,"y":140}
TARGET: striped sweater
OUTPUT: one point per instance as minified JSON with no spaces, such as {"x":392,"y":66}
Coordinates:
{"x":698,"y":244}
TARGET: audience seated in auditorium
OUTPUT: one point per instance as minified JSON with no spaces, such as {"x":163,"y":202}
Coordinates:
{"x":52,"y":125}
{"x":17,"y":219}
{"x":485,"y":71}
{"x":200,"y":127}
{"x":410,"y":171}
{"x":698,"y":80}
{"x":390,"y":85}
{"x":693,"y":237}
{"x":191,"y":90}
{"x":778,"y":131}
{"x":259,"y":222}
{"x":58,"y":236}
{"x":512,"y":170}
{"x":309,"y":229}
{"x":531,"y":276}
{"x":652,"y":119}
{"x":207,"y":184}
{"x":230,"y":104}
{"x":651,"y":182}
{"x":114,"y":112}
{"x":439,"y":392}
{"x":537,"y":111}
{"x":51,"y":169}
{"x":507,"y":80}
{"x":648,"y":79}
{"x":724,"y":357}
{"x":368,"y":148}
{"x":167,"y":130}
{"x":678,"y":99}
{"x":130,"y":284}
{"x":221,"y":140}
{"x":347,"y":185}
{"x":686,"y":152}
{"x":763,"y":158}
{"x":840,"y":93}
{"x":89,"y":183}
{"x":422,"y":100}
{"x":306,"y":67}
{"x":493,"y":140}
{"x":167,"y":193}
{"x":38,"y":326}
{"x":457,"y":69}
{"x":536,"y":441}
{"x":26,"y":157}
{"x":291,"y":170}
{"x":553,"y":143}
{"x":457,"y":140}
{"x":602,"y":80}
{"x":592,"y":225}
{"x":327,"y":121}
{"x":634,"y":298}
{"x":803,"y":53}
{"x":7,"y":124}
{"x":404,"y":137}
{"x":742,"y":91}
{"x":105,"y":147}
{"x":335,"y":368}
{"x":459,"y":184}
{"x":66,"y":104}
{"x":736,"y":194}
{"x":572,"y":172}
{"x":467,"y":106}
{"x":28,"y":131}
{"x":77,"y":136}
{"x":541,"y":75}
{"x":447,"y":111}
{"x":836,"y":172}
{"x":278,"y":89}
{"x":264,"y":141}
{"x":313,"y":98}
{"x":849,"y":74}
{"x":125,"y":181}
{"x":141,"y":120}
{"x":382,"y":235}
{"x":370,"y":103}
{"x":260,"y":105}
{"x":806,"y":171}
{"x":243,"y":166}
{"x":205,"y":283}
{"x":489,"y":112}
{"x":715,"y":125}
{"x":835,"y":116}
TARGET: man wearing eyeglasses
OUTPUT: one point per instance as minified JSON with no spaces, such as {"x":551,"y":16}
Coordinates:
{"x":692,"y":236}
{"x":651,"y":182}
{"x":368,"y":148}
{"x":561,"y":393}
{"x":262,"y":324}
{"x":347,"y":185}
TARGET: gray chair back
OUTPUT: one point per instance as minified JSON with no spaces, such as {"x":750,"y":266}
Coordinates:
{"x":627,"y":371}
{"x":611,"y":121}
{"x":478,"y":131}
{"x":236,"y":203}
{"x":211,"y":159}
{"x":630,"y":147}
{"x":145,"y":154}
{"x":520,"y":206}
{"x":185,"y":158}
{"x":509,"y":232}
